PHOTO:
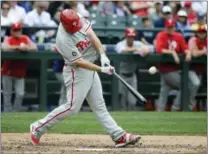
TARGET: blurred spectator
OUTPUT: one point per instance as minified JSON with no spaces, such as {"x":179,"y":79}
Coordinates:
{"x":94,"y":2}
{"x":140,"y":8}
{"x":27,"y":5}
{"x":182,"y":24}
{"x":200,"y":7}
{"x":172,"y":43}
{"x":182,"y":21}
{"x":146,"y":37}
{"x":156,"y":11}
{"x":166,"y":13}
{"x":198,"y":46}
{"x":120,"y":9}
{"x":201,"y":21}
{"x":16,"y":13}
{"x":5,"y":20}
{"x":82,"y":10}
{"x":175,"y":6}
{"x":39,"y":17}
{"x":106,"y":7}
{"x":14,"y":71}
{"x":190,"y":13}
{"x":127,"y":70}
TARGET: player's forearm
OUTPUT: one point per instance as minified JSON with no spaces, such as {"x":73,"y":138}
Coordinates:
{"x":128,"y":50}
{"x":198,"y":53}
{"x":167,"y":51}
{"x":6,"y":47}
{"x":87,"y":65}
{"x":32,"y":48}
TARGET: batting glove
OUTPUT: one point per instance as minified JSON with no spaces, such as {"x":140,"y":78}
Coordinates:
{"x":108,"y":70}
{"x":104,"y":60}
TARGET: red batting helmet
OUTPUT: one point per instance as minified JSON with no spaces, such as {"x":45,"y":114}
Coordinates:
{"x":70,"y":21}
{"x":16,"y":26}
{"x":130,"y":31}
{"x":169,"y":23}
{"x":202,"y":29}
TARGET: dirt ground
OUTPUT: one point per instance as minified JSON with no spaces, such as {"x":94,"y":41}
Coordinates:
{"x":16,"y":143}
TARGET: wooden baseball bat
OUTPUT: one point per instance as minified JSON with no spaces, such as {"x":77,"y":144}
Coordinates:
{"x":131,"y":89}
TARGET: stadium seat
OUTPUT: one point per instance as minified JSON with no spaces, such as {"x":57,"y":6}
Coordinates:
{"x":119,"y":24}
{"x":134,"y":21}
{"x":98,"y":21}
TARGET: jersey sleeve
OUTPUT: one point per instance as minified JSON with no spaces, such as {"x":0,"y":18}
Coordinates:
{"x":159,"y":43}
{"x":119,"y":47}
{"x":86,"y":25}
{"x":29,"y":41}
{"x":6,"y":41}
{"x":183,"y":44}
{"x":192,"y":43}
{"x":68,"y":50}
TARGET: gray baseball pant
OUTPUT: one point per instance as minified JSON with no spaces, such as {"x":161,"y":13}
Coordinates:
{"x":81,"y":84}
{"x":19,"y":85}
{"x":172,"y":80}
{"x":126,"y":95}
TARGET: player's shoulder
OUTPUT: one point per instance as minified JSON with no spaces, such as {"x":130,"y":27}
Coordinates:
{"x":25,"y":36}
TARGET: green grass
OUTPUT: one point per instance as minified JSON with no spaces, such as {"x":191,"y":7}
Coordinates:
{"x":144,"y":123}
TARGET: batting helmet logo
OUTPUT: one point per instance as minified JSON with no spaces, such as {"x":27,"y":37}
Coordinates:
{"x":130,"y":32}
{"x":70,"y":20}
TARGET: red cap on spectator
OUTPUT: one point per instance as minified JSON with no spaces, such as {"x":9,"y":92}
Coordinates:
{"x":170,"y":23}
{"x":130,"y":31}
{"x":16,"y":26}
{"x":202,"y":29}
{"x":187,"y":4}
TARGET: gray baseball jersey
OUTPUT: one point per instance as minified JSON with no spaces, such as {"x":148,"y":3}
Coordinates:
{"x":80,"y":83}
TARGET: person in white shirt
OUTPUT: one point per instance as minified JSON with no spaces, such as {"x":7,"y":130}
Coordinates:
{"x":39,"y":17}
{"x":16,"y":13}
{"x":5,"y":20}
{"x":127,"y":70}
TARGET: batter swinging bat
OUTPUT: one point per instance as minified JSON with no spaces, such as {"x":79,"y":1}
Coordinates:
{"x":132,"y":90}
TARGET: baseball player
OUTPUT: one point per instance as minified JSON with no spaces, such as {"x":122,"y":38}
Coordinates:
{"x":198,"y":46}
{"x":170,"y":42}
{"x":127,"y":70}
{"x":14,"y":71}
{"x":80,"y":47}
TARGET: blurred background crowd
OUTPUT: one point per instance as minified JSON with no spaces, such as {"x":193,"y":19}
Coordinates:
{"x":188,"y":17}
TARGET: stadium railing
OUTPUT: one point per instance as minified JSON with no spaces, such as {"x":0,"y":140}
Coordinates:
{"x":45,"y":57}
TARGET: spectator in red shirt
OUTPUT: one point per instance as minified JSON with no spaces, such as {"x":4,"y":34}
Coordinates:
{"x":172,"y":43}
{"x":198,"y":46}
{"x":191,"y":15}
{"x":14,"y":71}
{"x":141,"y":7}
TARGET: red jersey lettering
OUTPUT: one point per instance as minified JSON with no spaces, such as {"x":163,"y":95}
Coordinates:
{"x":82,"y":45}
